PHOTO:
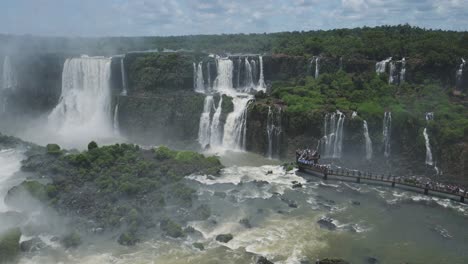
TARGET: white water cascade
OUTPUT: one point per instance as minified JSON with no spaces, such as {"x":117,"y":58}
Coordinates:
{"x":84,"y":109}
{"x":116,"y":119}
{"x":8,"y":82}
{"x":124,"y":76}
{"x":403,"y":70}
{"x":223,"y":82}
{"x":368,"y":141}
{"x":261,"y":81}
{"x":391,"y":77}
{"x":273,"y":132}
{"x":198,"y":75}
{"x":236,"y":124}
{"x":248,"y":77}
{"x":459,"y":74}
{"x":204,"y":131}
{"x":216,"y":135}
{"x":317,"y":67}
{"x":429,"y":160}
{"x":387,"y":126}
{"x":333,"y":140}
{"x":381,"y":66}
{"x":208,"y":72}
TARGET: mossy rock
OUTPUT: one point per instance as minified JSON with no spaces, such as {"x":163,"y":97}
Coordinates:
{"x":128,"y":239}
{"x":198,"y":246}
{"x":224,"y":238}
{"x":171,"y":228}
{"x":9,"y":245}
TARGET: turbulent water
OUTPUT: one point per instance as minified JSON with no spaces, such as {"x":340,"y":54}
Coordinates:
{"x":332,"y":142}
{"x":84,"y":110}
{"x":391,"y":74}
{"x":273,"y":132}
{"x":387,"y":128}
{"x":204,"y":132}
{"x":429,"y":161}
{"x":368,"y":141}
{"x":236,"y":124}
{"x":381,"y":66}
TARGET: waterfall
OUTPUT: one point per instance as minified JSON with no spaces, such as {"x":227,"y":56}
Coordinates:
{"x":198,"y":75}
{"x":381,"y":66}
{"x":236,"y":124}
{"x":368,"y":141}
{"x":317,"y":67}
{"x":248,"y":78}
{"x":216,"y":135}
{"x":429,"y":161}
{"x":333,"y":138}
{"x":459,"y":74}
{"x":116,"y":119}
{"x":223,"y":82}
{"x":354,"y":115}
{"x":261,"y":81}
{"x":208,"y":72}
{"x":387,"y":126}
{"x":84,"y":108}
{"x":391,"y":78}
{"x":253,"y":64}
{"x":273,"y":132}
{"x":8,"y":76}
{"x":204,"y":131}
{"x":403,"y":70}
{"x":124,"y":76}
{"x":239,"y":65}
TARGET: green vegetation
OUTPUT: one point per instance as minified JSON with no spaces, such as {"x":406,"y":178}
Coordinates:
{"x":171,"y":228}
{"x":9,"y":245}
{"x":53,"y":149}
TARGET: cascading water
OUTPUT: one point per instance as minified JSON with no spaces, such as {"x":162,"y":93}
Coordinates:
{"x":236,"y":124}
{"x":317,"y":67}
{"x":239,"y":66}
{"x":248,"y":79}
{"x":261,"y":81}
{"x":198,"y":74}
{"x":368,"y":141}
{"x":223,"y":82}
{"x":403,"y":71}
{"x":429,"y":161}
{"x":387,"y":126}
{"x":333,"y":139}
{"x":459,"y":74}
{"x":253,"y":64}
{"x":204,"y":131}
{"x":84,"y":109}
{"x":116,"y":119}
{"x":391,"y":77}
{"x":8,"y":76}
{"x":381,"y":66}
{"x":208,"y":72}
{"x":124,"y":76}
{"x":216,"y":133}
{"x":273,"y":132}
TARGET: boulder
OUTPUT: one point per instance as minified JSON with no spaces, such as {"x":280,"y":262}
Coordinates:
{"x":327,"y":223}
{"x":245,"y":222}
{"x":224,"y":238}
{"x":263,"y":260}
{"x":33,"y":245}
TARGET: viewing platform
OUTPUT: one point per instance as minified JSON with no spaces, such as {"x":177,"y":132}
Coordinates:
{"x":324,"y":172}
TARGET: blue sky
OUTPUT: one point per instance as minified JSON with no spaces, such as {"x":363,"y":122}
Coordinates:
{"x":178,"y":17}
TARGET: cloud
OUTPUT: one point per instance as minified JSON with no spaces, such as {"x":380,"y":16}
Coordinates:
{"x":181,"y":17}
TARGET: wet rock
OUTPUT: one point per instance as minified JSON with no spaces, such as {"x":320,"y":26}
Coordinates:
{"x":269,"y":172}
{"x":198,"y":246}
{"x":245,"y":222}
{"x":32,"y":245}
{"x":355,"y":203}
{"x":281,"y":212}
{"x":263,"y":260}
{"x":332,"y":261}
{"x":327,"y":223}
{"x":297,"y":185}
{"x":372,"y":260}
{"x":224,"y":238}
{"x":290,"y":203}
{"x":260,"y":183}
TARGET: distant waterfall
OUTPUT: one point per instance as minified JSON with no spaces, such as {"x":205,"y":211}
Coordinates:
{"x":248,"y":78}
{"x":333,"y":139}
{"x":253,"y":63}
{"x":261,"y":81}
{"x":317,"y":67}
{"x":85,"y":104}
{"x":391,"y":77}
{"x":223,"y":82}
{"x":368,"y":141}
{"x":387,"y":126}
{"x":204,"y":132}
{"x":116,"y":119}
{"x":239,"y":64}
{"x":273,"y":132}
{"x":403,"y":71}
{"x":208,"y":73}
{"x":459,"y":74}
{"x":216,"y":136}
{"x":429,"y":161}
{"x":381,"y":66}
{"x":124,"y":76}
{"x":198,"y":74}
{"x":8,"y":75}
{"x":236,"y":124}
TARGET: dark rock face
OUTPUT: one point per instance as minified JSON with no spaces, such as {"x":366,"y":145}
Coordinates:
{"x":32,"y":245}
{"x":224,"y":238}
{"x":327,"y":223}
{"x":263,"y":260}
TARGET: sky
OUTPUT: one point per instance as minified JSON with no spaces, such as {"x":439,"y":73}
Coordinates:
{"x":91,"y":18}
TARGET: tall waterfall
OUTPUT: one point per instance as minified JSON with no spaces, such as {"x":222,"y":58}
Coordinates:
{"x":368,"y":141}
{"x":204,"y":132}
{"x":84,"y":109}
{"x":248,"y":78}
{"x":273,"y":132}
{"x":459,"y":74}
{"x":208,"y":73}
{"x":216,"y":132}
{"x":8,"y":75}
{"x":317,"y":67}
{"x":198,"y":75}
{"x":391,"y":74}
{"x":403,"y":71}
{"x":236,"y":124}
{"x":116,"y":119}
{"x":429,"y":161}
{"x":387,"y":126}
{"x":253,"y":64}
{"x":124,"y":76}
{"x":381,"y":66}
{"x":223,"y":82}
{"x":333,"y":139}
{"x":261,"y":81}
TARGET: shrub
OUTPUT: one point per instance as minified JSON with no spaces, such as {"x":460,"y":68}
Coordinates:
{"x":163,"y":153}
{"x":9,"y":245}
{"x":53,"y":149}
{"x":171,"y":228}
{"x":92,"y":145}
